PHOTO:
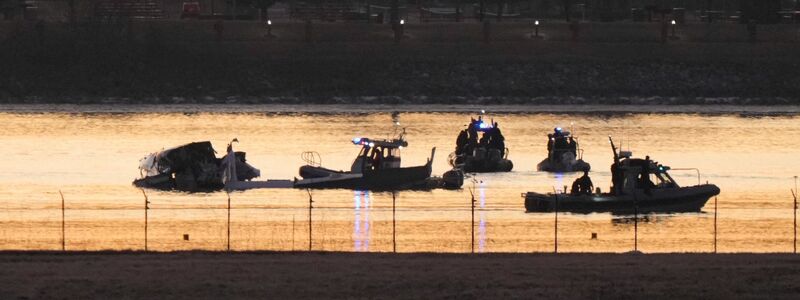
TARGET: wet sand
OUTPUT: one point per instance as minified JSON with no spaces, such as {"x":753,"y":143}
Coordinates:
{"x":44,"y":275}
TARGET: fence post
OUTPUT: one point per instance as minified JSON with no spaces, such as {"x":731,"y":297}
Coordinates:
{"x":146,"y":207}
{"x":472,"y":220}
{"x":555,"y":226}
{"x":394,"y":223}
{"x":292,"y":233}
{"x":794,"y":212}
{"x":310,"y":205}
{"x":229,"y":221}
{"x":63,"y":223}
{"x":635,"y":222}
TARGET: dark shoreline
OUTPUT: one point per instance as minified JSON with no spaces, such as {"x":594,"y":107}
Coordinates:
{"x":183,"y":63}
{"x":347,"y":109}
{"x":315,"y":275}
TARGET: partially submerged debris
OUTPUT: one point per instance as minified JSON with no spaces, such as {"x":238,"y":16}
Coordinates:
{"x":191,"y":167}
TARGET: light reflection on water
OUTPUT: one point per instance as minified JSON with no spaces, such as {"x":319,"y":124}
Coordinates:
{"x":92,"y":158}
{"x":361,"y":230}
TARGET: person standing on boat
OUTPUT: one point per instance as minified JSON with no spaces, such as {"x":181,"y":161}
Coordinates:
{"x":497,"y":140}
{"x":550,"y":145}
{"x":472,"y":138}
{"x":617,"y":179}
{"x":583,"y":185}
{"x":573,"y":146}
{"x":461,"y":142}
{"x":644,"y":178}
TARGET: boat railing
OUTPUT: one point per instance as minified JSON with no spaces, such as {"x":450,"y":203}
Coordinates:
{"x":312,"y":158}
{"x":689,"y":169}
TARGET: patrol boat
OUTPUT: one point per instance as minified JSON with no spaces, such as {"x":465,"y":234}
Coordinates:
{"x":481,"y":148}
{"x":377,"y":167}
{"x":631,"y":192}
{"x":563,"y":154}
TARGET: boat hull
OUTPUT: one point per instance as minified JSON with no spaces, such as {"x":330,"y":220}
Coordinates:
{"x":387,"y":179}
{"x":667,"y":200}
{"x":472,"y":164}
{"x":548,"y":165}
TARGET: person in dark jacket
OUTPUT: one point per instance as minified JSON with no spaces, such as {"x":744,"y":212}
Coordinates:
{"x":583,"y":185}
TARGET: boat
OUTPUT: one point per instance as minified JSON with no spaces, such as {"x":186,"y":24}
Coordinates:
{"x":481,"y":148}
{"x":192,"y":167}
{"x":377,"y":167}
{"x":631,"y":192}
{"x":563,"y":153}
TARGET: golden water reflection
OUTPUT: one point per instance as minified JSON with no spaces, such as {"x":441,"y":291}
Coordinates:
{"x":92,"y":158}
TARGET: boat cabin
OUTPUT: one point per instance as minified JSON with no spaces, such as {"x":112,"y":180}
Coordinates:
{"x":377,"y":154}
{"x":641,"y":174}
{"x":561,"y":142}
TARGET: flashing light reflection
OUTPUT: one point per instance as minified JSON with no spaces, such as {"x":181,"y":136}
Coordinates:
{"x":356,"y":140}
{"x":361,"y":230}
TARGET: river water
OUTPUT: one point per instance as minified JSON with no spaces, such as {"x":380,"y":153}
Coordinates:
{"x":91,"y":155}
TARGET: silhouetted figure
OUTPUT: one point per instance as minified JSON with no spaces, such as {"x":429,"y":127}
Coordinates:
{"x":549,"y":145}
{"x":472,"y":138}
{"x":498,"y":141}
{"x":583,"y":185}
{"x":484,"y":142}
{"x":461,"y":142}
{"x":644,"y":177}
{"x":573,"y":147}
{"x":617,"y":179}
{"x":561,"y":146}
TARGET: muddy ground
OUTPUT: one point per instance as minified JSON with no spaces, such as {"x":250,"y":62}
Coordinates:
{"x":192,"y":275}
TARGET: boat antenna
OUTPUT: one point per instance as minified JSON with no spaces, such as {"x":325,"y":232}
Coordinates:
{"x":614,"y":149}
{"x":572,"y":129}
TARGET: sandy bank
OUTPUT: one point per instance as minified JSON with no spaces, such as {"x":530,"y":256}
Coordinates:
{"x":352,"y":275}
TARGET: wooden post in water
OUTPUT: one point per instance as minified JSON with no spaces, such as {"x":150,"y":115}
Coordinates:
{"x":146,"y":207}
{"x":394,"y":223}
{"x":63,"y":223}
{"x":310,"y":205}
{"x":229,"y":221}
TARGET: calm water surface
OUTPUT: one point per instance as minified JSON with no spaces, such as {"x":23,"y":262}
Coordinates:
{"x":92,"y":157}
